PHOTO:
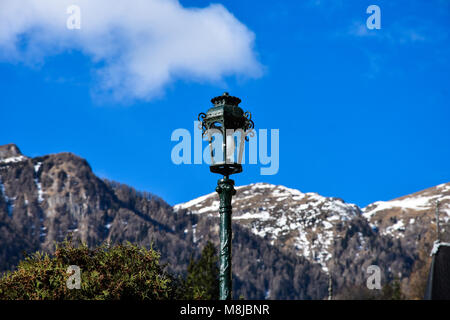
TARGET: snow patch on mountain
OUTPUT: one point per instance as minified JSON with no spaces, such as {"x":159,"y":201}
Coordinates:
{"x":418,"y":203}
{"x":395,"y":228}
{"x":9,"y":201}
{"x":193,"y":203}
{"x":40,"y":193}
{"x":13,"y":159}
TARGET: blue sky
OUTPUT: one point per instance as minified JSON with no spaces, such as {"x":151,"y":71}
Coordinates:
{"x":363,"y":114}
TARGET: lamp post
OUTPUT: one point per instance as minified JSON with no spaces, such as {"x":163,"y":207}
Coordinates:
{"x":227,"y":127}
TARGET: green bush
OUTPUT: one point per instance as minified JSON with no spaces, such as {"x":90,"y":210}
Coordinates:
{"x":107,"y":273}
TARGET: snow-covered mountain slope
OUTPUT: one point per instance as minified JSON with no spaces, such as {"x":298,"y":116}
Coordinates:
{"x":319,"y":228}
{"x":305,"y":222}
{"x":407,"y":214}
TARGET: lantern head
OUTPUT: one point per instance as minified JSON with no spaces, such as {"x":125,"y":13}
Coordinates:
{"x":227,"y":127}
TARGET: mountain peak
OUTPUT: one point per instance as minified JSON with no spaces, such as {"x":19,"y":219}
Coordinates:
{"x":9,"y":150}
{"x":10,"y":153}
{"x":287,"y":217}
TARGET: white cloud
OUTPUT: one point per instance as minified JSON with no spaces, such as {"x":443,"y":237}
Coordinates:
{"x":140,"y":45}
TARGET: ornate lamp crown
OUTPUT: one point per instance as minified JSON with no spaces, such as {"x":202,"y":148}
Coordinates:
{"x":225,"y":98}
{"x":226,"y":114}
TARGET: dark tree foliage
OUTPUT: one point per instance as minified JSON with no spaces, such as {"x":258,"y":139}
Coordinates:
{"x":390,"y":291}
{"x":107,"y":273}
{"x":203,"y":275}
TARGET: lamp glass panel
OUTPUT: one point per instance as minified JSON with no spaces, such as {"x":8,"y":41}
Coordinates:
{"x":216,"y":146}
{"x":235,"y":146}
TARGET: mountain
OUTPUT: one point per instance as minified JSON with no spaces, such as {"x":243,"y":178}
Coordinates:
{"x":306,"y":223}
{"x":412,"y":215}
{"x":339,"y":236}
{"x":44,"y":199}
{"x":411,"y":221}
{"x":285,"y":242}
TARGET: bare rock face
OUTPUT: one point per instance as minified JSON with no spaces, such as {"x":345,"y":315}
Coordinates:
{"x":44,"y":198}
{"x":9,"y":150}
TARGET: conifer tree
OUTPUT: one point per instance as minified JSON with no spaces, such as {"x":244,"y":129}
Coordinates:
{"x":203,"y":275}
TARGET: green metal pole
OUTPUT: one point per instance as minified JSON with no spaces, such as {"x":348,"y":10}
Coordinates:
{"x":225,"y":189}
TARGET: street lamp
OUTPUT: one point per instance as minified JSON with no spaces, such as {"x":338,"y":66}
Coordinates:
{"x":227,"y":127}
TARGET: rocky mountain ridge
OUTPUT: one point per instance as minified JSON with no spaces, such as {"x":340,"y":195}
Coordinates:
{"x":44,"y":199}
{"x":337,"y":235}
